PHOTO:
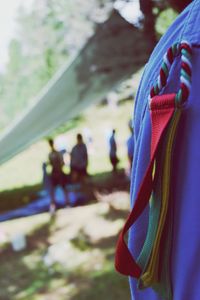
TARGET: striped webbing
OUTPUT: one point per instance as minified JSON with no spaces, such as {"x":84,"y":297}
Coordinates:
{"x":183,"y":50}
{"x":165,"y":114}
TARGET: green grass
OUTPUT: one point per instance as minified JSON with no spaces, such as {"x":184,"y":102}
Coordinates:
{"x":14,"y":198}
{"x":21,"y":177}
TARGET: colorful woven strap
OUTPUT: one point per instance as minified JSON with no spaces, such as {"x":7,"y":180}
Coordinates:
{"x":163,"y":110}
{"x":185,"y":51}
{"x":151,"y":275}
{"x":157,"y":273}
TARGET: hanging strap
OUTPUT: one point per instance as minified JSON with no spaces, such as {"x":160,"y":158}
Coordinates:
{"x":162,"y":109}
{"x":150,"y":275}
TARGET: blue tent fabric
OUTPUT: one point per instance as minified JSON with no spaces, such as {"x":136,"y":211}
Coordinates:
{"x":185,"y":268}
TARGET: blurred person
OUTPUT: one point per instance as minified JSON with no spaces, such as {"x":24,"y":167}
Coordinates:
{"x":57,"y":176}
{"x":130,"y":147}
{"x":177,"y":264}
{"x":113,"y":151}
{"x":75,"y":191}
{"x":79,"y":158}
{"x":45,"y":178}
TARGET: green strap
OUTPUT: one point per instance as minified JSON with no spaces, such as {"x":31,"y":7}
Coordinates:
{"x":154,"y":214}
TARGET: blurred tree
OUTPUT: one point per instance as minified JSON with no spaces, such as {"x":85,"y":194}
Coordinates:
{"x":146,"y":7}
{"x":165,"y":18}
{"x":151,"y":10}
{"x":156,"y":10}
{"x":47,"y":36}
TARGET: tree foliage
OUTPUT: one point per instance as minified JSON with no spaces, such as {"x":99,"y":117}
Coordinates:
{"x":47,"y":36}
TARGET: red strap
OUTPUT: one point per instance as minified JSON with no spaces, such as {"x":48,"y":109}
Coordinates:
{"x":162,"y":109}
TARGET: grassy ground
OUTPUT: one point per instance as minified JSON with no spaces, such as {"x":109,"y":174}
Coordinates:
{"x":70,"y":257}
{"x":105,"y":182}
{"x":21,"y":177}
{"x":25,"y":169}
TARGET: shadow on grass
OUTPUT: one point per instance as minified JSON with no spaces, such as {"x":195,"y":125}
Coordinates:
{"x":111,"y":181}
{"x":106,"y":243}
{"x":115,"y":213}
{"x":106,"y":182}
{"x":25,"y":276}
{"x":39,"y":237}
{"x":24,"y":272}
{"x":102,"y":284}
{"x":81,"y":241}
{"x":15,"y":198}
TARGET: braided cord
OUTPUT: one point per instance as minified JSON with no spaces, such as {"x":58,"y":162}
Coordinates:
{"x":185,"y":51}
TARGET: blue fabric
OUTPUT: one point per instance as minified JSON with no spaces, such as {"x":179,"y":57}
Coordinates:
{"x":113,"y":146}
{"x":130,"y":146}
{"x":185,"y":263}
{"x":75,"y":198}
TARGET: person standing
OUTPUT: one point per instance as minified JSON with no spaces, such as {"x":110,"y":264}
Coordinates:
{"x":79,"y":158}
{"x":57,"y":176}
{"x":113,"y":151}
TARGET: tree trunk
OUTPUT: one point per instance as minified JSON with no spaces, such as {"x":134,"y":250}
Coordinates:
{"x":146,"y":6}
